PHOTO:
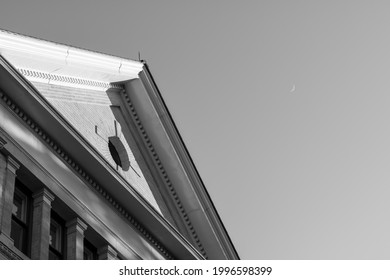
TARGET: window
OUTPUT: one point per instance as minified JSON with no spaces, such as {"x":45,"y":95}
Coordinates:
{"x":20,"y":228}
{"x":56,"y":238}
{"x":90,"y":251}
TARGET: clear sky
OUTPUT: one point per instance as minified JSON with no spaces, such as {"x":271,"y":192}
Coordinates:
{"x":283,"y":105}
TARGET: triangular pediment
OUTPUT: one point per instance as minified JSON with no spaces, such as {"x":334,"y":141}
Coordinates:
{"x":105,"y":120}
{"x":80,"y":86}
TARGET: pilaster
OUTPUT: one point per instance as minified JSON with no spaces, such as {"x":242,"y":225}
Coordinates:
{"x":41,"y":225}
{"x":8,"y":168}
{"x":75,"y":239}
{"x":107,"y":253}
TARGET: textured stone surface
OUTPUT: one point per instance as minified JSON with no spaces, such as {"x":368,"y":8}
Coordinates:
{"x":107,"y":253}
{"x":3,"y":173}
{"x":41,"y":225}
{"x":8,"y":168}
{"x":8,"y":251}
{"x":75,"y":239}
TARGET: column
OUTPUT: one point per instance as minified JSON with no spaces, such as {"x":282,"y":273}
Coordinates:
{"x":41,"y":225}
{"x":107,"y":253}
{"x":8,"y":168}
{"x":75,"y":239}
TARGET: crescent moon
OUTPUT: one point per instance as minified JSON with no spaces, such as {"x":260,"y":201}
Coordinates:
{"x":293,"y":89}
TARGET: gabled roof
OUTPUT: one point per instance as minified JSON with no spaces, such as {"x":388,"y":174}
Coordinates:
{"x":163,"y":191}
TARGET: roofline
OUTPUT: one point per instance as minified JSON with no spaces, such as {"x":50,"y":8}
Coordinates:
{"x":29,"y":52}
{"x":66,"y":45}
{"x":54,"y":116}
{"x":176,"y":131}
{"x":68,"y":58}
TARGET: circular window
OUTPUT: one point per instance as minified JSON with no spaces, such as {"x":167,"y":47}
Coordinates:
{"x":118,"y":152}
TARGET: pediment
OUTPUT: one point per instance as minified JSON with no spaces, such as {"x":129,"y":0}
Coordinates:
{"x":81,"y":85}
{"x":107,"y":121}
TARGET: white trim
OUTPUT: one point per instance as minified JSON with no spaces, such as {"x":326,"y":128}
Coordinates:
{"x":26,"y":52}
{"x":210,"y":232}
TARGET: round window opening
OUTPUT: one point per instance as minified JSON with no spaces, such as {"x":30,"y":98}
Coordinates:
{"x":118,"y":152}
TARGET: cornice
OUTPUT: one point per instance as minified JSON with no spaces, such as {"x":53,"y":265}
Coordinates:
{"x":164,"y":175}
{"x":55,"y":79}
{"x":87,"y":178}
{"x":205,"y":201}
{"x":27,"y":52}
{"x":75,"y":199}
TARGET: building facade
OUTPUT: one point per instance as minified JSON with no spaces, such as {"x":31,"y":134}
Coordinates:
{"x":91,"y":163}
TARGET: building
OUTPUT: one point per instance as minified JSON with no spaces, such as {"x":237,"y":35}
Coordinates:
{"x":91,"y":163}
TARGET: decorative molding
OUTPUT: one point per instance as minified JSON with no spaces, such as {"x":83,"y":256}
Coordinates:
{"x":55,"y":79}
{"x":222,"y":246}
{"x":164,"y":175}
{"x":2,"y":141}
{"x":43,"y":195}
{"x":12,"y":165}
{"x":97,"y":220}
{"x":87,"y":177}
{"x":107,"y":253}
{"x":76,"y":225}
{"x":6,"y":251}
{"x":25,"y":50}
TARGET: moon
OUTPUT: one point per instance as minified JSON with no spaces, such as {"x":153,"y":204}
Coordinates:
{"x":293,"y":88}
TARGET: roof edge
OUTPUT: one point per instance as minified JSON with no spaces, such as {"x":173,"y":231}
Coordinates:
{"x":197,"y":181}
{"x":166,"y":227}
{"x":23,"y":50}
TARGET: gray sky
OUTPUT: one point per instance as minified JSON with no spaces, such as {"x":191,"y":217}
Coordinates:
{"x":294,"y":175}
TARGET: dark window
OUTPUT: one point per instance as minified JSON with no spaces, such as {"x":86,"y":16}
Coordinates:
{"x":56,"y":238}
{"x":90,"y":251}
{"x":20,"y":224}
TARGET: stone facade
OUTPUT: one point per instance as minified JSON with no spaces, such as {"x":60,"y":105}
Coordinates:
{"x":91,"y":164}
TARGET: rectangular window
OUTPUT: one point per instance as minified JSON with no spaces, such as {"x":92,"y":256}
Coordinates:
{"x":19,"y":209}
{"x":20,"y":227}
{"x":56,"y":238}
{"x":55,"y":235}
{"x":90,"y":251}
